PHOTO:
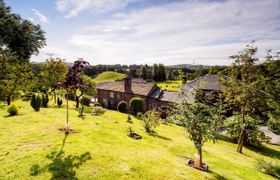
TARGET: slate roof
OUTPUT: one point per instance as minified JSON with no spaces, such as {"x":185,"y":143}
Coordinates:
{"x":169,"y":96}
{"x":138,"y":87}
{"x":207,"y":82}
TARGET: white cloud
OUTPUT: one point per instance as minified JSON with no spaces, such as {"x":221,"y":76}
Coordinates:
{"x":40,"y":16}
{"x":201,"y":31}
{"x":74,"y":7}
{"x":31,"y":19}
{"x":207,"y":32}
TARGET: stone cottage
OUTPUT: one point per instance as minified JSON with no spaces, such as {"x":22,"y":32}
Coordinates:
{"x":111,"y":93}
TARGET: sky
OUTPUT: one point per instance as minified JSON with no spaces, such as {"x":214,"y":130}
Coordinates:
{"x":152,"y":31}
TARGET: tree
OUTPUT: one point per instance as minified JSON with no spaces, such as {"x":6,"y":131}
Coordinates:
{"x":91,"y":85}
{"x":14,"y":75}
{"x":72,"y":82}
{"x":151,"y":120}
{"x":51,"y":72}
{"x":144,"y":71}
{"x":19,"y":35}
{"x":243,"y":90}
{"x":270,"y":69}
{"x":198,"y":120}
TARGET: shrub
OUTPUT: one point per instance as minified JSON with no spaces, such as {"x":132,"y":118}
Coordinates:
{"x":151,"y":121}
{"x":129,"y":119}
{"x":122,"y":107}
{"x":13,"y":109}
{"x":253,"y":136}
{"x":136,"y":105}
{"x":45,"y":100}
{"x":271,"y":168}
{"x":71,"y":96}
{"x":27,"y":96}
{"x":139,"y":115}
{"x":96,"y":104}
{"x":98,"y":110}
{"x":85,"y":100}
{"x":274,"y":124}
{"x":36,"y":102}
{"x":59,"y":102}
{"x":164,"y":111}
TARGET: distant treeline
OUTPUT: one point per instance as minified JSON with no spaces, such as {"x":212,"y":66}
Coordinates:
{"x":156,"y":72}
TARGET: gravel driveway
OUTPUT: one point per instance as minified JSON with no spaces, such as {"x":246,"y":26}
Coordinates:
{"x":275,"y":139}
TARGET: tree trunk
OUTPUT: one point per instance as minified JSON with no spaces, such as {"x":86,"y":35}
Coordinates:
{"x":9,"y":100}
{"x":241,"y":136}
{"x":200,"y":156}
{"x":67,"y":130}
{"x":77,"y":101}
{"x":54,"y":97}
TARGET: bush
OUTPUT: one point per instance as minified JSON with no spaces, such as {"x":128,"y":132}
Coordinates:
{"x":45,"y":100}
{"x":271,"y":168}
{"x":96,"y":104}
{"x":129,"y":119}
{"x":164,"y":111}
{"x":59,"y":102}
{"x":13,"y":109}
{"x":122,"y":107}
{"x":253,"y":136}
{"x":151,"y":121}
{"x":136,"y":105}
{"x":71,"y":96}
{"x":274,"y":125}
{"x":36,"y":102}
{"x":27,"y":96}
{"x":85,"y":100}
{"x":98,"y":110}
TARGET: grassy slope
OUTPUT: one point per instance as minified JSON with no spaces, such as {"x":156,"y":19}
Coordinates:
{"x":170,"y":85}
{"x":109,"y":76}
{"x":32,"y":139}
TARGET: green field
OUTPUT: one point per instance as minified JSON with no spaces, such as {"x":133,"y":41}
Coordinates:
{"x":109,"y":76}
{"x":32,"y":147}
{"x":170,"y":85}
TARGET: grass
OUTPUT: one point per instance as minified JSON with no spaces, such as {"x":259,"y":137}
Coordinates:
{"x":109,"y":76}
{"x":33,"y":148}
{"x":170,"y":85}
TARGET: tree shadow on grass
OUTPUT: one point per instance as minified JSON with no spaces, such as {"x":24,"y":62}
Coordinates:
{"x":160,"y":137}
{"x":224,"y":138}
{"x":61,"y":166}
{"x":266,"y":151}
{"x":216,"y":175}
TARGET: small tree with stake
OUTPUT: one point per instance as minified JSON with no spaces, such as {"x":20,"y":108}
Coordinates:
{"x":73,"y":81}
{"x":197,"y":118}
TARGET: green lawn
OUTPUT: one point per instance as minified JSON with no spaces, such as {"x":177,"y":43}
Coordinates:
{"x":33,"y":148}
{"x":109,"y":76}
{"x":170,"y":85}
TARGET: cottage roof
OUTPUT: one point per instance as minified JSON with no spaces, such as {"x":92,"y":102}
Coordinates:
{"x":138,"y":87}
{"x":169,"y":96}
{"x":207,"y":82}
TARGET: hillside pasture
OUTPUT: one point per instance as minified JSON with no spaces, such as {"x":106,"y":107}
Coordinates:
{"x":33,"y":147}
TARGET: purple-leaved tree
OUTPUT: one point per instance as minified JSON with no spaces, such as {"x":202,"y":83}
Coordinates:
{"x":73,"y":82}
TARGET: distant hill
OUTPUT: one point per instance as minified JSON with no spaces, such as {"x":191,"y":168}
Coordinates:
{"x":189,"y":66}
{"x":109,"y":76}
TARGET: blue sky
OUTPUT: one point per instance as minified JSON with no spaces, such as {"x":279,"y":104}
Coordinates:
{"x":152,"y":31}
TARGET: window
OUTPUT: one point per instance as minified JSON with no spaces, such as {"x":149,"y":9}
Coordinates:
{"x":111,"y":94}
{"x":119,"y":96}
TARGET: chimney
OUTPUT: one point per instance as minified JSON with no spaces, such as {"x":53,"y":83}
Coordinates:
{"x":127,"y":85}
{"x":184,"y":79}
